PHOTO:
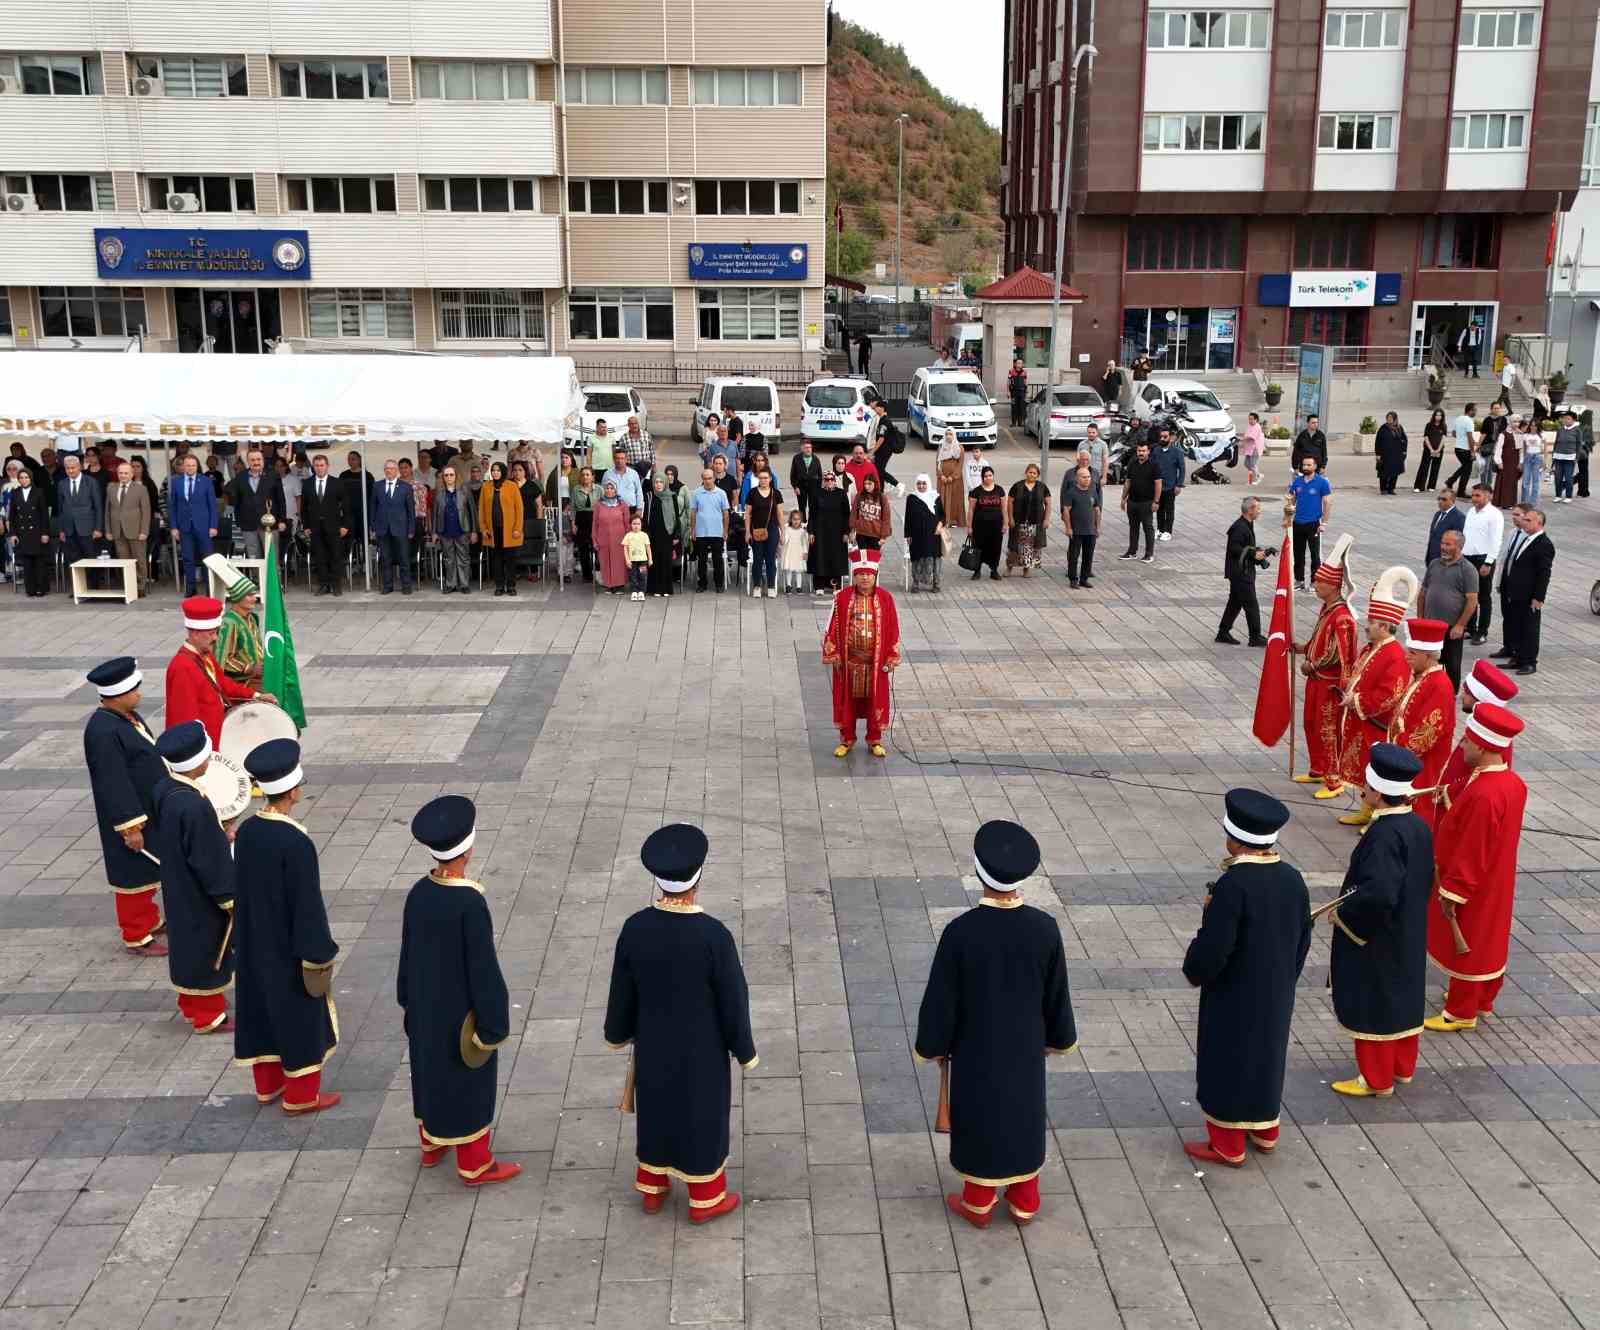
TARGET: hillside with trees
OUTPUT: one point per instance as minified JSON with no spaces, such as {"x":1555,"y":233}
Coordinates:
{"x":952,"y":224}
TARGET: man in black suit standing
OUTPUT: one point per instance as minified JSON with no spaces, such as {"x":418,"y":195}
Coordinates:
{"x":80,"y":510}
{"x":322,"y":511}
{"x":254,"y":492}
{"x":393,"y":513}
{"x":1447,"y":518}
{"x":1524,"y":583}
{"x":1239,"y":567}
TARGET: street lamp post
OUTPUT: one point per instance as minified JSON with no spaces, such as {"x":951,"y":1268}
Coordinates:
{"x":899,"y":204}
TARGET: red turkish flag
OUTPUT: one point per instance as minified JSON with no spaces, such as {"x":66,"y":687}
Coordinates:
{"x":838,"y":218}
{"x":1274,"y":695}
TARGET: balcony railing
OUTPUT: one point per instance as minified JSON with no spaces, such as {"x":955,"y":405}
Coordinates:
{"x":1341,"y":359}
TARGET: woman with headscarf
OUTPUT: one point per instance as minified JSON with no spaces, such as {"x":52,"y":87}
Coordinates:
{"x":1390,"y":450}
{"x":611,"y":519}
{"x":987,"y":510}
{"x":500,"y":520}
{"x":870,"y":515}
{"x":530,"y":558}
{"x":952,"y":480}
{"x":1508,"y":464}
{"x":585,"y":498}
{"x":843,"y":481}
{"x":829,"y":525}
{"x":157,"y":538}
{"x":925,"y":518}
{"x":13,"y":467}
{"x":664,"y":524}
{"x":1028,"y":517}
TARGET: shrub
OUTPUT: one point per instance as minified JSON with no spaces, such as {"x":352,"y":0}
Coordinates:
{"x":1368,"y":426}
{"x":871,"y":220}
{"x":1275,"y":388}
{"x":1278,"y":432}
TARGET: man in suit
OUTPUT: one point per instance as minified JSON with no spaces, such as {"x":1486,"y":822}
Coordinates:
{"x":393,"y":513}
{"x":193,"y":505}
{"x":1447,"y":518}
{"x":322,"y":513}
{"x":352,"y":480}
{"x":1469,"y":347}
{"x":253,"y":494}
{"x":1524,"y":583}
{"x":80,"y":513}
{"x":1239,"y":567}
{"x":128,"y":521}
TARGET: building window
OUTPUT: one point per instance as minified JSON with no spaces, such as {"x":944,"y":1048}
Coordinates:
{"x":617,"y":198}
{"x":1500,"y":29}
{"x":1228,"y":132}
{"x":365,"y":312}
{"x":472,"y":81}
{"x":1186,"y":244}
{"x":1590,"y":172}
{"x":593,"y":85}
{"x":1332,"y":242}
{"x":330,"y":80}
{"x":213,"y":193}
{"x":5,"y":312}
{"x":1461,"y":240}
{"x":52,"y":75}
{"x":1487,"y":131}
{"x":1208,"y":29}
{"x":749,"y":314}
{"x":91,"y":311}
{"x":1365,"y":29}
{"x":1355,"y":133}
{"x":333,"y":193}
{"x":746,"y":87}
{"x":194,"y":75}
{"x":495,"y":314}
{"x":747,"y":198}
{"x":65,"y":193}
{"x":470,"y":193}
{"x":628,"y":315}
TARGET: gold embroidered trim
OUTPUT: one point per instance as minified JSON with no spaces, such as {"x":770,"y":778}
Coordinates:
{"x":1380,"y":1038}
{"x":707,"y":1205}
{"x":1468,"y":978}
{"x":132,"y":822}
{"x":456,"y":881}
{"x":753,"y":1063}
{"x":1060,"y":1052}
{"x":136,"y":891}
{"x":470,"y":1174}
{"x":437,"y":1141}
{"x":1345,"y":929}
{"x":1451,"y":896}
{"x":670,"y":906}
{"x":1242,"y":1126}
{"x":202,"y":992}
{"x":284,"y":817}
{"x":678,"y":1173}
{"x":1012,"y":902}
{"x":997,"y":1182}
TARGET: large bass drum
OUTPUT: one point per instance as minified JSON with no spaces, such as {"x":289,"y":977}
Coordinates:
{"x":251,"y":724}
{"x":227,"y":785}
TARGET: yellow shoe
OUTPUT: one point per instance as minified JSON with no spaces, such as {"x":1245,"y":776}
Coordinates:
{"x":843,"y":750}
{"x":1307,"y":778}
{"x":1359,"y":818}
{"x":1359,"y":1089}
{"x":878,"y":750}
{"x":1445,"y":1023}
{"x":1329,"y":791}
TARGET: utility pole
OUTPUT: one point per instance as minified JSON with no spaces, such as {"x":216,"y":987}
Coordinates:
{"x":1063,"y":199}
{"x":899,"y":205}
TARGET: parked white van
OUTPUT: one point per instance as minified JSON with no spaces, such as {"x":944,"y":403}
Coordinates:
{"x":951,"y":399}
{"x":754,"y":401}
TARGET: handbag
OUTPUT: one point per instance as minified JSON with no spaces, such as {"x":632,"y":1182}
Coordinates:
{"x":968,"y":560}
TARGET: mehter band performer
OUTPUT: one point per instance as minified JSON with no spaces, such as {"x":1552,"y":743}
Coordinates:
{"x":196,"y":688}
{"x":862,"y":645}
{"x":1330,"y":656}
{"x":1486,"y":683}
{"x":1377,"y":679}
{"x":1424,"y":719}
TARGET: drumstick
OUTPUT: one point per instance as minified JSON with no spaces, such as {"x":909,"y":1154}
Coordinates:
{"x":941,"y":1115}
{"x":150,"y":856}
{"x":223,"y":949}
{"x":1323,"y":909}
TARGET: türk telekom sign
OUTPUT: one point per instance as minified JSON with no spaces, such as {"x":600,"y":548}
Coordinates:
{"x":1331,"y":289}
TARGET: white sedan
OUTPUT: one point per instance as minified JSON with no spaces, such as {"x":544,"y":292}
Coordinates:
{"x":613,"y":403}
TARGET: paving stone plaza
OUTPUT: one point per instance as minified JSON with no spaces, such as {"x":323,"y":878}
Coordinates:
{"x":143,"y":1188}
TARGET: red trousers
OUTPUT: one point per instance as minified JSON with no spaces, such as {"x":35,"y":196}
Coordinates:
{"x":1385,"y":1061}
{"x":137,"y":915}
{"x":1022,"y":1197}
{"x":299,"y":1092}
{"x":860,"y":710}
{"x":1468,"y":998}
{"x":204,"y":1012}
{"x":474,"y":1158}
{"x":702,"y":1195}
{"x":1229,"y":1141}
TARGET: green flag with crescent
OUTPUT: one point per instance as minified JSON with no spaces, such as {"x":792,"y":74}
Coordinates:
{"x":280,"y":675}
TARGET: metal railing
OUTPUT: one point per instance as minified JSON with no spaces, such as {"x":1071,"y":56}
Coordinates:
{"x":1341,"y":359}
{"x":631,"y":371}
{"x":1531,"y":353}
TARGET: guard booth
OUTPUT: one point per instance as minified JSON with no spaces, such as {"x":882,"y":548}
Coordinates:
{"x":1016,"y":322}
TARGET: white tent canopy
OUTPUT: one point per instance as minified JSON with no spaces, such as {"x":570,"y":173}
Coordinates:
{"x":323,"y":401}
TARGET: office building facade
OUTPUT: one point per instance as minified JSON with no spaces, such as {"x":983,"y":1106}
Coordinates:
{"x":628,"y":183}
{"x":1252,"y":177}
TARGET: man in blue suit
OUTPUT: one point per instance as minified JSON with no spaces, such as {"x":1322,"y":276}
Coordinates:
{"x":193,"y":505}
{"x":393,"y":515}
{"x":1447,"y":518}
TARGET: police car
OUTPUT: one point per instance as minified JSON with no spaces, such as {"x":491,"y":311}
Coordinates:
{"x":837,"y":411}
{"x":955,"y":399}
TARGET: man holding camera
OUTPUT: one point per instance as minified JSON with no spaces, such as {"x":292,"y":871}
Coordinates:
{"x":1239,"y":567}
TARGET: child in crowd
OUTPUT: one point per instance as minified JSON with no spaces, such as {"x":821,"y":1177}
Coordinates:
{"x":636,"y":551}
{"x":795,"y":544}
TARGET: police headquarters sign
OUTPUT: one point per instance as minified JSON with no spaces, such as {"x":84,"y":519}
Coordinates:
{"x":124,"y":253}
{"x":744,"y":263}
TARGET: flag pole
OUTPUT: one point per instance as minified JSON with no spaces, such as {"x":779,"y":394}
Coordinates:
{"x":1294,"y":689}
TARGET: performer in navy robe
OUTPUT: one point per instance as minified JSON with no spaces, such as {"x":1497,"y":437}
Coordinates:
{"x":1380,"y":947}
{"x":196,"y":881}
{"x":457,"y":1011}
{"x":287,"y":1021}
{"x":997,"y":1002}
{"x":124,"y":767}
{"x":678,"y":994}
{"x":1245,"y":959}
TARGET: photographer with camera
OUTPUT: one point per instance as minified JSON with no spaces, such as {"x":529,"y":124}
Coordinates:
{"x":1244,"y":556}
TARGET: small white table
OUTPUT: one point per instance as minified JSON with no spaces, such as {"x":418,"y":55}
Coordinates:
{"x":256,"y":569}
{"x":127,"y":594}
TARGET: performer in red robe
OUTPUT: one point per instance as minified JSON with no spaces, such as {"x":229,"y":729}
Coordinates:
{"x":1378,"y":678}
{"x":1424,"y":720}
{"x":196,"y":688}
{"x":862,"y":645}
{"x":1476,"y":871}
{"x":1330,"y":655}
{"x":1486,"y":683}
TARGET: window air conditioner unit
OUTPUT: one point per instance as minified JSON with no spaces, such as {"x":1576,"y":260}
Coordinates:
{"x":10,"y":87}
{"x":149,"y":87}
{"x":183,"y":203}
{"x":21,"y":203}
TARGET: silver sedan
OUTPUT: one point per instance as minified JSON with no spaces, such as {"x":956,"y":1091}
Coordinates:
{"x":1069,"y":416}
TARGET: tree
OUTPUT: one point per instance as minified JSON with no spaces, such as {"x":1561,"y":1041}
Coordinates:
{"x":854,"y":251}
{"x":958,"y":251}
{"x":927,"y":232}
{"x":968,"y":197}
{"x":871,"y":220}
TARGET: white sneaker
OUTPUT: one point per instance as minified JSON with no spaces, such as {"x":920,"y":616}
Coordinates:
{"x":772,"y":593}
{"x":1164,"y":535}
